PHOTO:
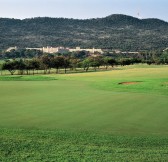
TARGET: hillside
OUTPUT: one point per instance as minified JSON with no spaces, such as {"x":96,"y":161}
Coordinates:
{"x":114,"y":32}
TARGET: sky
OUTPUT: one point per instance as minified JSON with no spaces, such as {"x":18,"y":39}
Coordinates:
{"x":83,"y":9}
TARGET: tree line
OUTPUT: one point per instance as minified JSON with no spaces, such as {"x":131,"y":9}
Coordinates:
{"x":47,"y":63}
{"x":24,"y":62}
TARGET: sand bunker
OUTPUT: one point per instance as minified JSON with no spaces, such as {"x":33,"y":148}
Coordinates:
{"x":129,"y":83}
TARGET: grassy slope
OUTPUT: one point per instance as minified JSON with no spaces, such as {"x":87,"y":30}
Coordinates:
{"x":94,"y":103}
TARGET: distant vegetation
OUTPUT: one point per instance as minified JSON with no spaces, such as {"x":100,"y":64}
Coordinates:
{"x":26,"y":61}
{"x":112,"y":32}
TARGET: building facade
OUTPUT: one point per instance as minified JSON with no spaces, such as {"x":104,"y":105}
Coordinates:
{"x":60,"y":49}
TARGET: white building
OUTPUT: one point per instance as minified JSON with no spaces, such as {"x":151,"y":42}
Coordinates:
{"x":93,"y":50}
{"x":165,"y":49}
{"x":59,"y":49}
{"x":11,"y":48}
{"x":45,"y":49}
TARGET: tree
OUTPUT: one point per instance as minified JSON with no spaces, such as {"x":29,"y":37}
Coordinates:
{"x":86,"y":64}
{"x":112,"y":62}
{"x":47,"y":63}
{"x":11,"y":66}
{"x":109,"y":61}
{"x":1,"y":68}
{"x":95,"y":61}
{"x":20,"y":66}
{"x":34,"y":65}
{"x":125,"y":61}
{"x":74,"y":63}
{"x":57,"y":62}
{"x":80,"y":54}
{"x":66,"y":63}
{"x":164,"y":57}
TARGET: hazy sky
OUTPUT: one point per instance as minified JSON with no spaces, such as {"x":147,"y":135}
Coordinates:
{"x":83,"y":8}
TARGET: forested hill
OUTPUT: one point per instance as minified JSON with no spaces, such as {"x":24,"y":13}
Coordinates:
{"x":114,"y":32}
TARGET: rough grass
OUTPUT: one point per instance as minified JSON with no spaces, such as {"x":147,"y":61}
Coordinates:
{"x":38,"y":145}
{"x":100,"y":119}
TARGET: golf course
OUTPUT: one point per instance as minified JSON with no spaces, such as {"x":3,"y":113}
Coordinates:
{"x":115,"y":115}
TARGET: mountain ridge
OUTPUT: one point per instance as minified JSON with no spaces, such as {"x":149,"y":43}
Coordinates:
{"x":112,"y":15}
{"x":115,"y":31}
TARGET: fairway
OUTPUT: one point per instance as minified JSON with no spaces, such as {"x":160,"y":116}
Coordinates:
{"x":95,"y":103}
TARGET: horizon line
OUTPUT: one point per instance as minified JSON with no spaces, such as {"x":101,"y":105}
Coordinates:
{"x":81,"y":18}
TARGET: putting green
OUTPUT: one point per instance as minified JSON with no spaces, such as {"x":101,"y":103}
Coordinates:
{"x":90,"y":102}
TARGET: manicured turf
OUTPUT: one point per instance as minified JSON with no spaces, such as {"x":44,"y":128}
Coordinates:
{"x":26,"y":78}
{"x":93,"y":105}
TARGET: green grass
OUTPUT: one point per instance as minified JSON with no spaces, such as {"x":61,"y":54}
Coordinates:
{"x":26,"y":78}
{"x":39,"y":145}
{"x":86,"y":116}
